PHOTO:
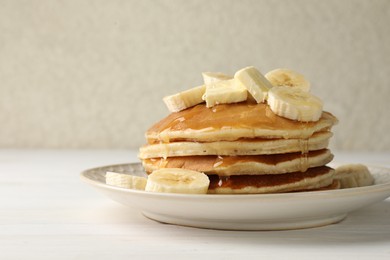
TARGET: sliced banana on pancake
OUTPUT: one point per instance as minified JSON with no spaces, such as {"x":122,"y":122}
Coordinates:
{"x":214,"y":77}
{"x":295,"y":104}
{"x":224,"y":92}
{"x":287,"y":77}
{"x":185,"y":99}
{"x":125,"y":180}
{"x":256,"y":84}
{"x":171,"y":180}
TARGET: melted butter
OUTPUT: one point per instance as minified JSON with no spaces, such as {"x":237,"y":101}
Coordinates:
{"x":240,"y":115}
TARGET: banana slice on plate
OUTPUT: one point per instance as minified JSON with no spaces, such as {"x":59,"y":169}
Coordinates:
{"x":224,"y":92}
{"x":214,"y":77}
{"x":354,"y":175}
{"x":256,"y":84}
{"x":287,"y":77}
{"x":126,"y":181}
{"x":177,"y":180}
{"x":185,"y":99}
{"x":294,"y":103}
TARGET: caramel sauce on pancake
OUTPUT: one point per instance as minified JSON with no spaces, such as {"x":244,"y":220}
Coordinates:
{"x":246,"y":115}
{"x":242,"y":181}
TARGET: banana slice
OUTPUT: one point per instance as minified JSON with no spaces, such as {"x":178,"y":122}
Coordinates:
{"x":185,"y":99}
{"x":354,"y":175}
{"x":294,"y":103}
{"x":177,"y":180}
{"x":256,"y":84}
{"x":224,"y":92}
{"x":286,"y":77}
{"x":213,"y":77}
{"x":125,"y":181}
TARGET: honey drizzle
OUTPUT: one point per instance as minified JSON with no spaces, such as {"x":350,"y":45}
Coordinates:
{"x":239,"y":115}
{"x":304,"y":146}
{"x":208,"y":162}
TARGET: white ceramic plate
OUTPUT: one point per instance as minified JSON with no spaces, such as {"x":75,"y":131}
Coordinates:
{"x":243,"y":212}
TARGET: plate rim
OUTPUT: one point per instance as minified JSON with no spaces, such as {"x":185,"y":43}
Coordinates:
{"x":291,"y":195}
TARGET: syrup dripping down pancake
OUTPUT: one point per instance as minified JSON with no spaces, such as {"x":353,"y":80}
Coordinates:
{"x":318,"y":141}
{"x":243,"y":165}
{"x":229,"y":122}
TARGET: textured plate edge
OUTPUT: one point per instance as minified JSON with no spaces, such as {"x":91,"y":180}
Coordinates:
{"x":294,"y":195}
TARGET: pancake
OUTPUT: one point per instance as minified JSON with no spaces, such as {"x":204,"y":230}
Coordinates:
{"x":244,"y":148}
{"x":318,"y":141}
{"x":229,"y":122}
{"x":313,"y":178}
{"x":243,"y":165}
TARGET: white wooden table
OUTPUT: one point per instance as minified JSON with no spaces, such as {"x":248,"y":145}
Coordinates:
{"x":46,"y":212}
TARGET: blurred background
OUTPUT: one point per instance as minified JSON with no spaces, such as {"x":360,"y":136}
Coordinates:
{"x":92,"y":74}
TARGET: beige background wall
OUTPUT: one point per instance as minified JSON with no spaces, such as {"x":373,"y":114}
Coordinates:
{"x":91,"y":74}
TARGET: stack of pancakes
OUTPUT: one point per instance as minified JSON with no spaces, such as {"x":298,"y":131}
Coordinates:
{"x":243,"y":148}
